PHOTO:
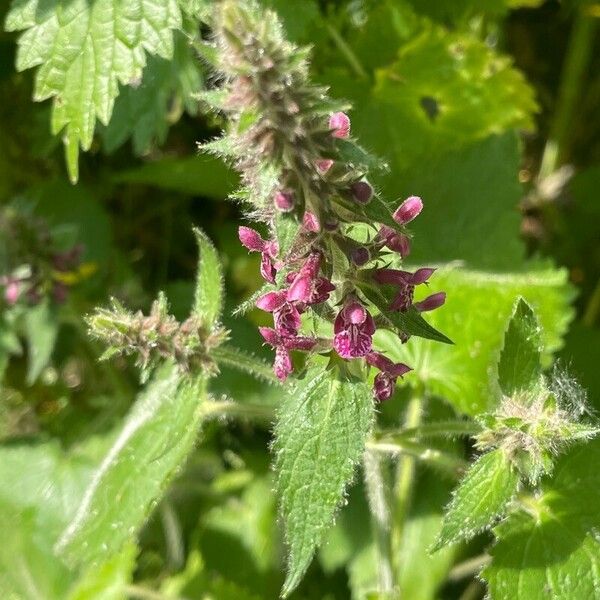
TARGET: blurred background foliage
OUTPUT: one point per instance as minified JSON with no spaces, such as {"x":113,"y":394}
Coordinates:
{"x":488,"y":110}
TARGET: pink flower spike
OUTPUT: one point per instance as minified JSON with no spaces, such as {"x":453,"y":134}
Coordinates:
{"x":284,"y":201}
{"x":339,"y":124}
{"x":324,"y":164}
{"x":251,"y":239}
{"x":362,"y":192}
{"x":421,"y":275}
{"x":271,"y":301}
{"x":431,"y":302}
{"x":310,"y":222}
{"x":408,"y":210}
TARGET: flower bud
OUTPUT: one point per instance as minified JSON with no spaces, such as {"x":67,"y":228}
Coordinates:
{"x":362,"y":192}
{"x":431,"y":302}
{"x":421,"y":275}
{"x":284,"y":201}
{"x":310,"y":222}
{"x":12,"y":292}
{"x":339,"y":123}
{"x":251,"y":239}
{"x":360,"y":256}
{"x":324,"y":164}
{"x":408,"y":210}
{"x":271,"y":301}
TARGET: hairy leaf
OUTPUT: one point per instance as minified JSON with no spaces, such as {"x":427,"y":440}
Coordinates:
{"x":477,"y":308}
{"x":84,"y":49}
{"x":41,"y":329}
{"x":208,"y":296}
{"x":551,"y":549}
{"x":153,"y":443}
{"x":520,"y":366}
{"x":238,"y":359}
{"x":480,"y":499}
{"x":319,"y":437}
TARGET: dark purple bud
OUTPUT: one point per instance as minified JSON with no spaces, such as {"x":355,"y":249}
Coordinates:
{"x":392,"y":276}
{"x":331,"y":223}
{"x":398,"y":242}
{"x":251,"y":239}
{"x":408,"y":210}
{"x":271,"y":301}
{"x":431,"y":302}
{"x":310,"y":222}
{"x":339,"y":123}
{"x":362,"y":192}
{"x":360,"y":256}
{"x":284,"y":201}
{"x":379,"y":361}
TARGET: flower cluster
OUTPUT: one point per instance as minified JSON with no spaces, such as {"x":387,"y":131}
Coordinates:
{"x":34,"y":266}
{"x":333,"y":245}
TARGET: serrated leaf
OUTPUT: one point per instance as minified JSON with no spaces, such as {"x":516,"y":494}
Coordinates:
{"x":84,"y":50}
{"x":153,"y":443}
{"x":478,"y":305}
{"x":235,"y":358}
{"x":41,"y":329}
{"x":480,"y":498}
{"x":551,"y":549}
{"x":319,"y":438}
{"x":208,"y":295}
{"x":410,"y":322}
{"x":520,"y":366}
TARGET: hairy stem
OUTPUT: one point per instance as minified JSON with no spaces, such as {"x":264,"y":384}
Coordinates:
{"x":377,"y":482}
{"x":436,"y":429}
{"x":228,"y":408}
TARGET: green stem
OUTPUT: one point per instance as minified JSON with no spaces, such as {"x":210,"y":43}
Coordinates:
{"x":377,"y":482}
{"x":593,"y":307}
{"x":469,"y":567}
{"x":435,"y":429}
{"x":228,"y":408}
{"x":576,"y":63}
{"x":346,"y":51}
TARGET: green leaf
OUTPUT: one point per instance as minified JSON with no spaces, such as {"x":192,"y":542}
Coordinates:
{"x":286,"y":232}
{"x":41,"y":329}
{"x":196,"y":175}
{"x":153,"y":443}
{"x":550,"y":548}
{"x":208,"y":295}
{"x":480,"y":498}
{"x":478,"y":305}
{"x":410,"y":322}
{"x":319,"y":438}
{"x":520,"y":365}
{"x":84,"y":50}
{"x":235,"y":358}
{"x":145,"y":112}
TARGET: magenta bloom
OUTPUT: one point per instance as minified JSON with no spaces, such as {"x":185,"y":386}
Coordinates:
{"x":284,"y":201}
{"x":252,"y":240}
{"x":408,"y":210}
{"x":385,"y":381}
{"x":287,"y":319}
{"x":339,"y":123}
{"x":310,"y":222}
{"x":353,"y":328}
{"x":306,"y":286}
{"x":324,"y":164}
{"x":431,"y":302}
{"x":282,"y":366}
{"x":405,"y":283}
{"x":398,"y":242}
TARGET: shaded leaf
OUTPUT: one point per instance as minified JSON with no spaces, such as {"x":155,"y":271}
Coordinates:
{"x":41,"y":329}
{"x":208,"y":295}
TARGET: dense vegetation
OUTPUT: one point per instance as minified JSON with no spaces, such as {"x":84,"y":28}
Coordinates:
{"x":441,"y":445}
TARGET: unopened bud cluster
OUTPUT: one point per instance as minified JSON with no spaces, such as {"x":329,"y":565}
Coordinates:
{"x":303,"y":172}
{"x":155,"y":337}
{"x":33,"y":268}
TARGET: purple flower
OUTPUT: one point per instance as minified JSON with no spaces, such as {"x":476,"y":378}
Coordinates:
{"x":339,"y":124}
{"x":360,"y":256}
{"x":12,"y":291}
{"x":287,"y":319}
{"x":353,"y":328}
{"x":398,"y":242}
{"x":310,"y":222}
{"x":282,"y":366}
{"x":271,"y":301}
{"x":306,"y":286}
{"x":252,"y":240}
{"x":405,"y":283}
{"x":385,"y":381}
{"x":408,"y":210}
{"x":324,"y":164}
{"x":431,"y":302}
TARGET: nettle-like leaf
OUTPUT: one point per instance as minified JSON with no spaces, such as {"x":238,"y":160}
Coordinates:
{"x":208,"y":296}
{"x":477,"y":308}
{"x":319,"y":438}
{"x":480,"y":499}
{"x":152,"y":444}
{"x":84,"y":49}
{"x":520,"y":366}
{"x":550,"y":548}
